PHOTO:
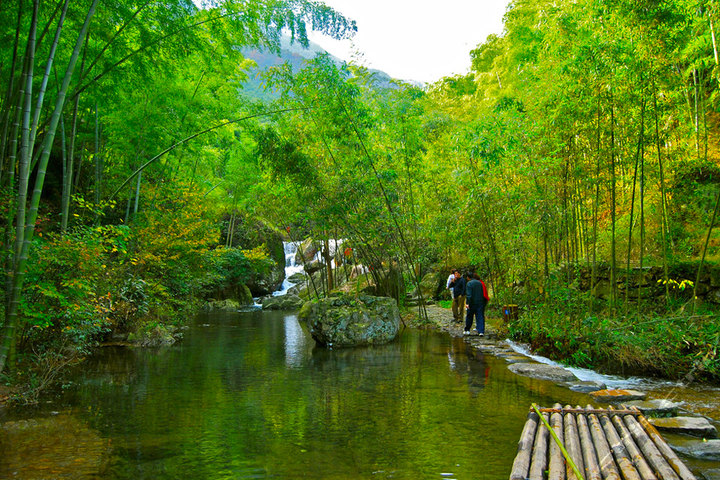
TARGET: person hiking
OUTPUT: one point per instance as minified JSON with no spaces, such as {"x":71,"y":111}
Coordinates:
{"x":457,"y":288}
{"x":450,"y":279}
{"x":476,"y":298}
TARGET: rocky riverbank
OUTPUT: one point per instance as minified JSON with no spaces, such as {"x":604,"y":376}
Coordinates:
{"x":687,"y":433}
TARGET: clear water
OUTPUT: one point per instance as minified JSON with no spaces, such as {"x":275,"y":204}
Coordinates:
{"x":248,"y":395}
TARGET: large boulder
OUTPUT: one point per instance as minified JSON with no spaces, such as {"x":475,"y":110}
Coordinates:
{"x":282,"y":302}
{"x":432,"y":284}
{"x":347,"y":321}
{"x":239,"y":293}
{"x":306,"y":252}
{"x":314,"y":266}
{"x":227,"y":305}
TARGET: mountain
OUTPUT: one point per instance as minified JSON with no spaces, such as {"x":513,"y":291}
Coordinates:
{"x":296,"y":55}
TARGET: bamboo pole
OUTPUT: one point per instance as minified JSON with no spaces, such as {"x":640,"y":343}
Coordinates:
{"x":556,"y":469}
{"x":633,"y":450}
{"x":538,"y":466}
{"x":572,"y":443}
{"x":622,"y":458}
{"x":649,"y":449}
{"x":521,"y":465}
{"x":605,"y":458}
{"x":592,"y":466}
{"x":677,"y":465}
{"x":588,"y":410}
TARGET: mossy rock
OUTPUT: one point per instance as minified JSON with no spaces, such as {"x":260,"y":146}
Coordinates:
{"x":251,"y":232}
{"x":347,"y":321}
{"x":282,"y":302}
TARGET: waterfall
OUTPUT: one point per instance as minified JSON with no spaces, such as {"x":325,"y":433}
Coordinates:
{"x":291,"y":268}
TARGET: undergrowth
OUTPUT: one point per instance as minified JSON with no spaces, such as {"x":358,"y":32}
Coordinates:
{"x":674,"y":344}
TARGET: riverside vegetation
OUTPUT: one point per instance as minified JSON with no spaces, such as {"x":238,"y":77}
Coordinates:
{"x":575,"y":167}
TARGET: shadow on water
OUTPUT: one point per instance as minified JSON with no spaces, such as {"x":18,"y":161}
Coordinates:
{"x":250,"y":396}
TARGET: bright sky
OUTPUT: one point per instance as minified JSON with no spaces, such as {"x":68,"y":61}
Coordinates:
{"x":421,"y":40}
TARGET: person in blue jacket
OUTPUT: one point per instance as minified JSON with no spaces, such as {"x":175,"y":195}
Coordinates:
{"x":476,"y":298}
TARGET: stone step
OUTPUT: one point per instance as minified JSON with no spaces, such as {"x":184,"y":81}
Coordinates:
{"x":617,"y":395}
{"x":656,"y":407}
{"x":543,"y":371}
{"x":695,"y":426}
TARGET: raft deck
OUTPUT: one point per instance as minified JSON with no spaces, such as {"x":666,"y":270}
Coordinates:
{"x":603,"y":444}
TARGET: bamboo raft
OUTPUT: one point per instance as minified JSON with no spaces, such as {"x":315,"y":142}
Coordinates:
{"x":594,"y":444}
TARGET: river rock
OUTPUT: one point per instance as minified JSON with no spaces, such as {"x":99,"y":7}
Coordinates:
{"x":517,"y":358}
{"x":695,"y":426}
{"x":347,"y":321}
{"x":586,"y":386}
{"x":543,"y":371}
{"x":617,"y":395}
{"x":282,"y":302}
{"x":306,"y":252}
{"x":705,"y":450}
{"x":296,"y":278}
{"x":711,"y":474}
{"x":432,"y":284}
{"x":60,"y":447}
{"x":313,"y":266}
{"x":222,"y":306}
{"x":237,"y":292}
{"x":659,"y":407}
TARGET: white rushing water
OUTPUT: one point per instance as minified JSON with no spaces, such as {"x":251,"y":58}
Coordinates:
{"x":612,"y":381}
{"x":291,"y":268}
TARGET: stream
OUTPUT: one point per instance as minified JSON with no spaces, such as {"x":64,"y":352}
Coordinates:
{"x":249,"y":395}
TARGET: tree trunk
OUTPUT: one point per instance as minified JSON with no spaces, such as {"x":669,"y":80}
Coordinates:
{"x":613,"y":190}
{"x":632,"y":204}
{"x":663,"y":203}
{"x":18,"y":271}
{"x":98,"y":166}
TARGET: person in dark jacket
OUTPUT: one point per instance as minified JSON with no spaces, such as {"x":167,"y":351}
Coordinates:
{"x":457,"y":287}
{"x":476,"y":297}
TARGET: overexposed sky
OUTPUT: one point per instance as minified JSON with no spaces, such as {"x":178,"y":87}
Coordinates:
{"x":420,"y":40}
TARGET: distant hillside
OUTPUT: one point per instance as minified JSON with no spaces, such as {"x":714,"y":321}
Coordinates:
{"x":296,"y":55}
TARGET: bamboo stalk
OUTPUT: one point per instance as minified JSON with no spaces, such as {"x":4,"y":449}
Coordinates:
{"x":592,"y":466}
{"x":556,"y":468}
{"x":521,"y":465}
{"x":605,"y":458}
{"x":622,"y":458}
{"x":539,"y":463}
{"x":633,"y":450}
{"x":649,"y":449}
{"x":586,"y":411}
{"x":677,"y":465}
{"x":572,"y":442}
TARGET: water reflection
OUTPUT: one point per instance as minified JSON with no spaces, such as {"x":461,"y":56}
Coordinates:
{"x":250,"y":396}
{"x":295,"y":342}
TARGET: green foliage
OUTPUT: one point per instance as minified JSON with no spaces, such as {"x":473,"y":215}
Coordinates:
{"x":68,"y":285}
{"x":682,"y":346}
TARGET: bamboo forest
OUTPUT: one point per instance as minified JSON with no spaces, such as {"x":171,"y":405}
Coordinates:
{"x":228,"y":253}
